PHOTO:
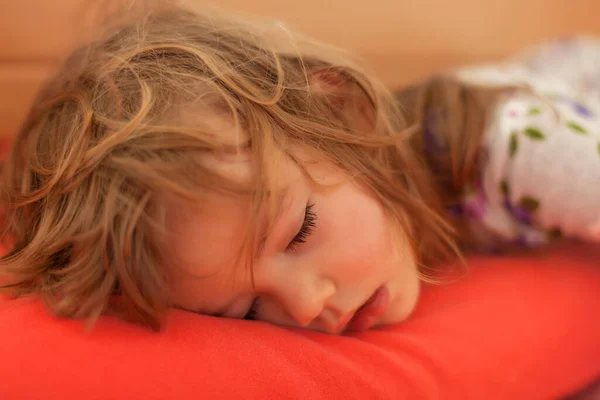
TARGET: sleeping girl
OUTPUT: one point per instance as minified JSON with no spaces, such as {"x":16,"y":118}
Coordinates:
{"x":236,"y":169}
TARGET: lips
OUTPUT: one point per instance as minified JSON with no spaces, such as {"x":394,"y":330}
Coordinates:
{"x":370,"y":312}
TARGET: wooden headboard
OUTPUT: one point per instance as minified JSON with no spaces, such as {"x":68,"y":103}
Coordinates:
{"x":403,"y":40}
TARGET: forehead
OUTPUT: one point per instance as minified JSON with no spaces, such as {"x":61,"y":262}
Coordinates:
{"x":205,"y":236}
{"x":203,"y":242}
{"x":202,"y":236}
{"x":205,"y":262}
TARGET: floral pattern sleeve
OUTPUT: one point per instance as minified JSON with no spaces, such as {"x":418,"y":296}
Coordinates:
{"x":540,"y":177}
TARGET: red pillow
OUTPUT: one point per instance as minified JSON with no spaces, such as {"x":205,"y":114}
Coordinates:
{"x":514,"y":328}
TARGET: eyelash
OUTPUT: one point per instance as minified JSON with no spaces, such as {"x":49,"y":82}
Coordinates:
{"x":308,"y":226}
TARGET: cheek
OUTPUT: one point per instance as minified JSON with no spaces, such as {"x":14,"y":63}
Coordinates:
{"x":356,"y":231}
{"x":370,"y":236}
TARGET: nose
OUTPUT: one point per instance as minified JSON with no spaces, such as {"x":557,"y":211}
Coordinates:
{"x":304,"y":296}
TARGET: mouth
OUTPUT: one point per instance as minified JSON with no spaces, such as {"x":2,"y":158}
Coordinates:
{"x":370,"y":312}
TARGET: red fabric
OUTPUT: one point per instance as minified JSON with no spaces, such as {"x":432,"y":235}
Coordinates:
{"x":514,"y":328}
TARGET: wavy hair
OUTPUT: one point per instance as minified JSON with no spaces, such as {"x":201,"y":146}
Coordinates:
{"x":81,"y":190}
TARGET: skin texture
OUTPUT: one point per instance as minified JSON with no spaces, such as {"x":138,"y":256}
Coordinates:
{"x":350,"y":252}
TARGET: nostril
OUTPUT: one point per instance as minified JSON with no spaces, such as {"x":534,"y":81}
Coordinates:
{"x":330,"y":322}
{"x":304,"y":323}
{"x":306,"y":318}
{"x":340,"y":324}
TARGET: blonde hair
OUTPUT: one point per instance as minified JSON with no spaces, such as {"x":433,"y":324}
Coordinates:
{"x":81,"y":189}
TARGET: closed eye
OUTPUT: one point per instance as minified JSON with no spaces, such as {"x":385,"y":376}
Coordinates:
{"x":308,"y":226}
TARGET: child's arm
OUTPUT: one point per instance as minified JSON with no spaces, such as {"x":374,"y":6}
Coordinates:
{"x":541,"y":164}
{"x":541,"y":176}
{"x":574,"y":61}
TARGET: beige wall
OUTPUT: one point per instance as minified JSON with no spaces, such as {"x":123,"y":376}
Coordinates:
{"x":403,"y":40}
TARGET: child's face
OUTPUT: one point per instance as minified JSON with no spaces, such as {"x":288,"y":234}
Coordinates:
{"x":349,"y":251}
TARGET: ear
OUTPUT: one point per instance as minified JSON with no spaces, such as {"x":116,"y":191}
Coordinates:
{"x":347,"y":96}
